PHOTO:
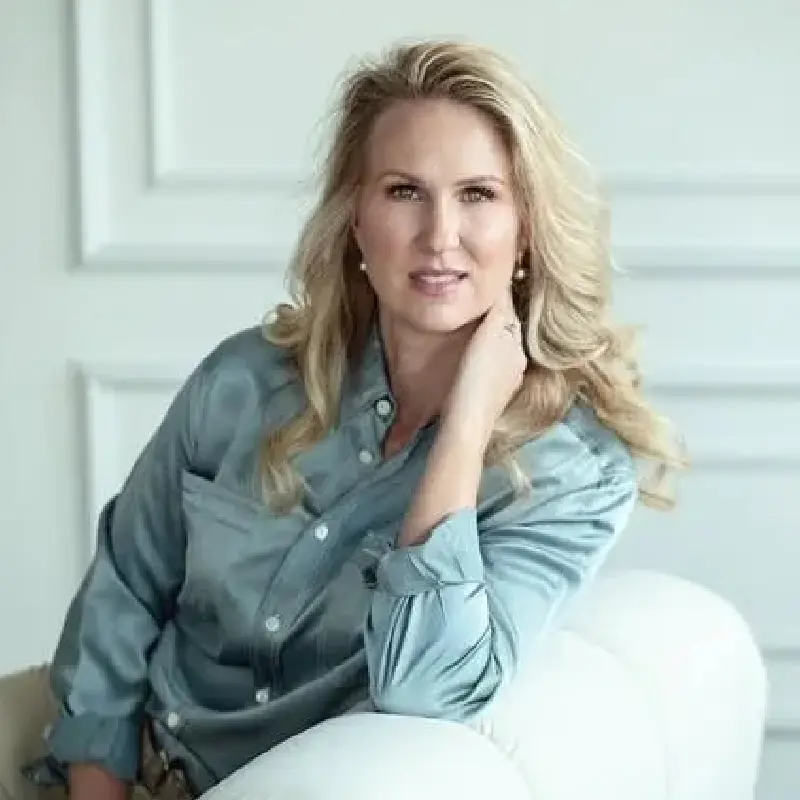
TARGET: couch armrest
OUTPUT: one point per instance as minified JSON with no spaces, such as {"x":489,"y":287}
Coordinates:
{"x":696,"y":658}
{"x":652,"y":689}
{"x":361,"y":756}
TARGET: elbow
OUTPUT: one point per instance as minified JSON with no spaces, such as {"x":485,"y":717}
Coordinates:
{"x":456,"y":698}
{"x":409,"y":700}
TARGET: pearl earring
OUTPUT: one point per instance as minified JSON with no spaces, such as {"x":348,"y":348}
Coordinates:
{"x":362,"y":266}
{"x":519,"y":270}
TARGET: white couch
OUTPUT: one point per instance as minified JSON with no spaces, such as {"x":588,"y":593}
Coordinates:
{"x":653,"y":689}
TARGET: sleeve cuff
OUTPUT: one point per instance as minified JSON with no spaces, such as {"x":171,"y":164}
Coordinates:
{"x":450,"y":556}
{"x":112,"y":743}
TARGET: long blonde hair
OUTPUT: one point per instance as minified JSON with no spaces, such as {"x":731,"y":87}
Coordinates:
{"x":576,"y":351}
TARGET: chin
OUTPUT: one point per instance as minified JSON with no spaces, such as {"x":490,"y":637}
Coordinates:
{"x":437,"y":321}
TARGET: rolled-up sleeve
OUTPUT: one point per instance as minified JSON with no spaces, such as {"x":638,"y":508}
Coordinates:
{"x":452,"y":617}
{"x":99,"y":669}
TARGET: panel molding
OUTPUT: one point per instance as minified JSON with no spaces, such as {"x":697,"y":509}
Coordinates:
{"x":132,"y":217}
{"x":783,"y":670}
{"x":102,"y":383}
{"x":100,"y":386}
{"x":744,"y":196}
{"x":718,"y":381}
{"x":683,"y":183}
{"x":138,"y":213}
{"x":690,"y":263}
{"x":164,"y":174}
{"x":718,"y":377}
{"x":702,"y":382}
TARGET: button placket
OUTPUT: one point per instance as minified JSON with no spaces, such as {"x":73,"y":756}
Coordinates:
{"x":321,"y":532}
{"x":280,"y":604}
{"x":365,"y":457}
{"x":173,"y":720}
{"x":273,"y":623}
{"x":383,"y":408}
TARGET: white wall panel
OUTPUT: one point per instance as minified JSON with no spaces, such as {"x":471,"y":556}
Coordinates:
{"x":121,"y":408}
{"x":181,"y":171}
{"x":784,"y":673}
{"x":131,"y":217}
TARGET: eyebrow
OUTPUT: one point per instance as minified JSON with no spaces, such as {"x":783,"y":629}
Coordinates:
{"x":409,"y":176}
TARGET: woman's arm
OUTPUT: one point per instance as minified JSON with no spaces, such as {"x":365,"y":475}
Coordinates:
{"x":464,"y":594}
{"x":90,"y":782}
{"x":450,"y":483}
{"x":491,"y":371}
{"x":454,"y":613}
{"x":99,"y":670}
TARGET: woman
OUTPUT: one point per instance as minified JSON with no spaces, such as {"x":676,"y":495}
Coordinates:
{"x":384,"y":498}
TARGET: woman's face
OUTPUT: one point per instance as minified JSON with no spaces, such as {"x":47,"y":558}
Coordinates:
{"x":435,"y":217}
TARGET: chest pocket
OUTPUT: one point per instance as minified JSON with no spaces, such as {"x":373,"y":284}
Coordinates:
{"x":235,"y":546}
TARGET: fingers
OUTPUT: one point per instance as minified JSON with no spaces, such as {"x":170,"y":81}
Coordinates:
{"x":506,"y":318}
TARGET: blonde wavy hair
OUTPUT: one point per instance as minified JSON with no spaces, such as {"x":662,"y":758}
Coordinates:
{"x":575,"y":351}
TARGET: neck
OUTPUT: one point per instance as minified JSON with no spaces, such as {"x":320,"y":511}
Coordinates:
{"x":422,"y":367}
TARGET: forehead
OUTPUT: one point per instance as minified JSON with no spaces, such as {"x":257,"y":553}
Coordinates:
{"x":436,"y":137}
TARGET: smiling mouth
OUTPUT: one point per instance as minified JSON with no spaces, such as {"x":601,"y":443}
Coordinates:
{"x":437,"y":277}
{"x":437,"y":283}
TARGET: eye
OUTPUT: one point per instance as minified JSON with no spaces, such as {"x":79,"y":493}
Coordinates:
{"x":478,"y":194}
{"x":402,"y":191}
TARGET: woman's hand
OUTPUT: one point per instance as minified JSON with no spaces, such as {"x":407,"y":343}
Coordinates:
{"x":90,"y":782}
{"x":489,"y":375}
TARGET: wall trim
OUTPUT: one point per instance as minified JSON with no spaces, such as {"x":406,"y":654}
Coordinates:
{"x":138,"y":214}
{"x":98,"y":384}
{"x":783,"y":671}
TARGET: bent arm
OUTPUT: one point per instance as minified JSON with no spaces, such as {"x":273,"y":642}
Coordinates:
{"x":453,"y":614}
{"x":99,"y":670}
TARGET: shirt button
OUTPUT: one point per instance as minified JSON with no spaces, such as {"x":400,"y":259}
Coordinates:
{"x":173,"y":720}
{"x":272,"y":624}
{"x":365,"y":457}
{"x":321,"y":531}
{"x":383,"y":407}
{"x":262,"y":696}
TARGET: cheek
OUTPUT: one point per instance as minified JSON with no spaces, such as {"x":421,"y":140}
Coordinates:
{"x":385,"y":229}
{"x":494,"y":237}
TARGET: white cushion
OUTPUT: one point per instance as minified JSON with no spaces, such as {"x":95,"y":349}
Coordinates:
{"x":652,"y":688}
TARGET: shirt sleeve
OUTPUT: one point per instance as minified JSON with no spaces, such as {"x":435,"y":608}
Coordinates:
{"x":452,"y":617}
{"x":99,"y":669}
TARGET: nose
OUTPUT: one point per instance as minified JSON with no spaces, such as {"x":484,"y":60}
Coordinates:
{"x":442,"y":225}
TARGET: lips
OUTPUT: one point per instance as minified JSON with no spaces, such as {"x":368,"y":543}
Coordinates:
{"x":437,"y":275}
{"x":437,"y":283}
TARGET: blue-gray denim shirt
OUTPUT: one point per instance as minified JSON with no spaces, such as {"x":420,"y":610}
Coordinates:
{"x":235,"y":628}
